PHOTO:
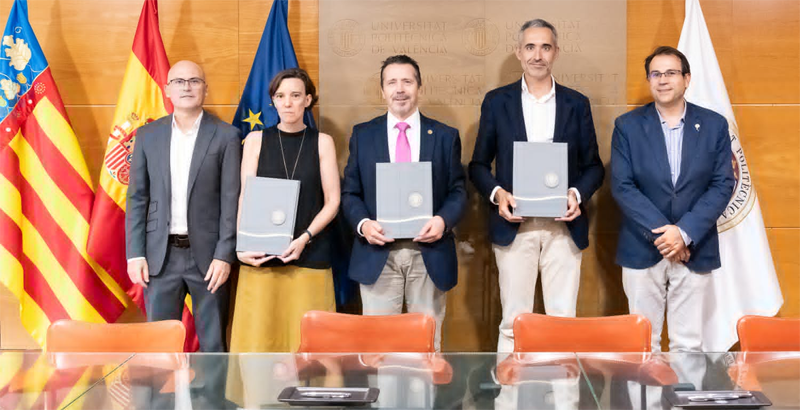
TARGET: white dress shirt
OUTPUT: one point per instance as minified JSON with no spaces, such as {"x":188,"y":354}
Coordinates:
{"x":413,"y":134}
{"x":539,"y":115}
{"x":181,"y":147}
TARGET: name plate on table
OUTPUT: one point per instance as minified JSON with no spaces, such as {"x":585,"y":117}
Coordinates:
{"x":269,"y":207}
{"x":540,"y":179}
{"x":404,"y":197}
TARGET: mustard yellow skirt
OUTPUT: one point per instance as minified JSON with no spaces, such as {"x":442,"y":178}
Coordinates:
{"x":270,"y":303}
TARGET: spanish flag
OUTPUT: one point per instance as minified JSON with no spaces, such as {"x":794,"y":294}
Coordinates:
{"x":141,"y":100}
{"x":46,"y":195}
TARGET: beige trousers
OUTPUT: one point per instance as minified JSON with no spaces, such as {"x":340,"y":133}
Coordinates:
{"x":404,"y":278}
{"x":542,"y":245}
{"x":671,"y":287}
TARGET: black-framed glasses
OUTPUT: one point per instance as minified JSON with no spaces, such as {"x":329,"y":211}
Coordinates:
{"x":181,"y":82}
{"x":655,"y":75}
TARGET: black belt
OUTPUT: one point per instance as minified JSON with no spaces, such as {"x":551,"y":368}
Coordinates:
{"x":178,"y":241}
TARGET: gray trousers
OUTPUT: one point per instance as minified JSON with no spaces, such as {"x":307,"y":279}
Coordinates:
{"x":165,"y":294}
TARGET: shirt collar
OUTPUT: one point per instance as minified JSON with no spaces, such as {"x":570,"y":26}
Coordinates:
{"x":683,"y":115}
{"x":412,"y":121}
{"x":195,"y":126}
{"x":545,"y":98}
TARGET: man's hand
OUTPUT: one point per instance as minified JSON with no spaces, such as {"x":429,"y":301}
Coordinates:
{"x":295,"y":249}
{"x":217,"y":274}
{"x":670,"y":243}
{"x":506,"y":205}
{"x":685,"y":255}
{"x":373,"y":232}
{"x":138,"y":272}
{"x":432,"y":231}
{"x":254,"y":258}
{"x":573,"y":208}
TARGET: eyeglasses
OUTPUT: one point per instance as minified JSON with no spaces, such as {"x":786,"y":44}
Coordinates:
{"x":181,"y":82}
{"x":655,"y":75}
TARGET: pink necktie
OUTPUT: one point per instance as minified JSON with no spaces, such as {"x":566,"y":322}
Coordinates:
{"x":402,"y":152}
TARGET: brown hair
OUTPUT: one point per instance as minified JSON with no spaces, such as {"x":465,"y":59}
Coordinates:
{"x":402,"y":59}
{"x":667,"y":50}
{"x":298,"y":73}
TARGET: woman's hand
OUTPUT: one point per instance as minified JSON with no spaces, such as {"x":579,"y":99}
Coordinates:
{"x":254,"y":258}
{"x":295,"y":249}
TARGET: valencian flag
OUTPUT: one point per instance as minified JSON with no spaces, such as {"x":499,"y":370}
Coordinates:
{"x":275,"y":53}
{"x":141,"y":100}
{"x":746,"y":284}
{"x":45,"y":195}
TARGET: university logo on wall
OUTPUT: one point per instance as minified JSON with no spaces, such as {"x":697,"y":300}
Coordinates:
{"x":480,"y":37}
{"x":346,"y":38}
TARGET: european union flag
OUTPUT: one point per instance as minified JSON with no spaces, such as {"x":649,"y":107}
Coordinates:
{"x":275,"y":53}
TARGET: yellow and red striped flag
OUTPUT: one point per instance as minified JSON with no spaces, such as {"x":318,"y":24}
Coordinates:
{"x":45,"y":195}
{"x":141,"y":100}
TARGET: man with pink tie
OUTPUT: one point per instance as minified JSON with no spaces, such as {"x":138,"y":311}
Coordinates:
{"x":419,"y":271}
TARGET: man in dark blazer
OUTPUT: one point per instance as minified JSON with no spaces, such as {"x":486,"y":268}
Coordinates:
{"x":536,"y":109}
{"x":422,"y":270}
{"x":180,"y":224}
{"x":671,"y":176}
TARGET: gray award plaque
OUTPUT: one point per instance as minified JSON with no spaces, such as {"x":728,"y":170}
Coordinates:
{"x":540,"y":179}
{"x":269,"y":207}
{"x":404,"y":197}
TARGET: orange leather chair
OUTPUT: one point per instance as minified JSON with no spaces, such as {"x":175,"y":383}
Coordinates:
{"x":768,"y":334}
{"x":326,"y":332}
{"x":535,"y":333}
{"x":769,"y":358}
{"x":379,"y":336}
{"x":540,"y":333}
{"x":75,"y":336}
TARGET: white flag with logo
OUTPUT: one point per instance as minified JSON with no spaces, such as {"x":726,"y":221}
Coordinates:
{"x":746,"y":284}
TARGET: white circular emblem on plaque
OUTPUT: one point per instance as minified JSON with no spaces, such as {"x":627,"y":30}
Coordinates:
{"x":551,"y":180}
{"x":415,"y":199}
{"x":278,"y":217}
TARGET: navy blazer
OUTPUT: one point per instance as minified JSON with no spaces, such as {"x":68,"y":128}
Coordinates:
{"x":502,"y":123}
{"x":642,"y":186}
{"x":440,"y":145}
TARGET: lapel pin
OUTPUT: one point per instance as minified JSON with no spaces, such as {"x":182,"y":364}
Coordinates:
{"x":697,"y":127}
{"x":430,"y":132}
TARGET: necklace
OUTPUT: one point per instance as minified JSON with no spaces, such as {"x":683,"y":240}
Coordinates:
{"x":285,"y":168}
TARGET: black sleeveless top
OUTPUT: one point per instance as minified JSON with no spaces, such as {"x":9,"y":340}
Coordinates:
{"x":316,"y":254}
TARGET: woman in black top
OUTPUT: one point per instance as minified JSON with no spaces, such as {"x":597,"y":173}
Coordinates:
{"x":274,"y":291}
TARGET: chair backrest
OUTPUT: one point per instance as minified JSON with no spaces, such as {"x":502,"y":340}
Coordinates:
{"x":768,"y":334}
{"x":326,"y":332}
{"x":540,"y":333}
{"x":76,"y":336}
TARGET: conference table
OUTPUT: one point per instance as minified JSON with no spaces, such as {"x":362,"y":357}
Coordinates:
{"x":36,"y":379}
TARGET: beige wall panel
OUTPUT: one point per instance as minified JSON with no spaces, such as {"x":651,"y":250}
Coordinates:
{"x":601,"y":278}
{"x":770,"y":137}
{"x":784,"y":245}
{"x":766,"y":54}
{"x":206,"y":32}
